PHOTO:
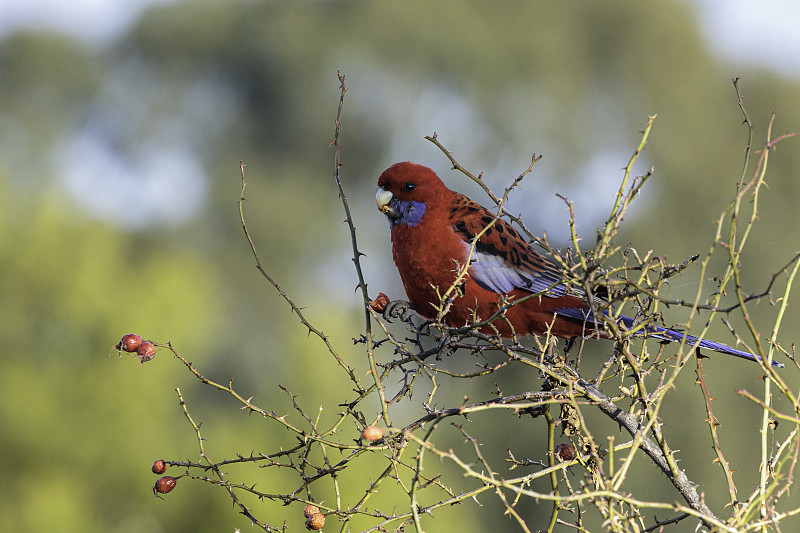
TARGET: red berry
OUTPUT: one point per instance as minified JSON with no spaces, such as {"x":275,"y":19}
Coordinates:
{"x":160,"y":466}
{"x":310,"y":510}
{"x":372,"y":433}
{"x":130,"y":342}
{"x":315,"y":522}
{"x":379,"y":303}
{"x":146,"y":351}
{"x":164,"y":484}
{"x":564,"y":451}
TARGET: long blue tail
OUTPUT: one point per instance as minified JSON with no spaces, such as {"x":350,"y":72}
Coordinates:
{"x":672,"y":335}
{"x":666,"y":334}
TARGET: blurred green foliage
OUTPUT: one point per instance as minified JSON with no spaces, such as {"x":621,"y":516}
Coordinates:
{"x":219,"y":82}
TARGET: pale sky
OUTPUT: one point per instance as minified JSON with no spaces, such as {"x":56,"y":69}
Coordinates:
{"x":753,"y":32}
{"x":91,"y":20}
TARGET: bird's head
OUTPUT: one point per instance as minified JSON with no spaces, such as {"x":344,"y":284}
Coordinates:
{"x":405,"y":191}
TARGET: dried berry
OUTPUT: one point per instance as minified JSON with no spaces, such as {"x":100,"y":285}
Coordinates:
{"x":165,"y":484}
{"x":379,"y":303}
{"x":372,"y":433}
{"x":564,"y":451}
{"x":310,"y":510}
{"x":146,"y":351}
{"x":160,"y":466}
{"x":130,"y":342}
{"x":315,"y":522}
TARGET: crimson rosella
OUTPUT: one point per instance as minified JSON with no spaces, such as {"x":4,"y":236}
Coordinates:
{"x":432,"y":230}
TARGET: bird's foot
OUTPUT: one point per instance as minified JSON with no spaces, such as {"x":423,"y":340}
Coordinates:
{"x":397,"y":310}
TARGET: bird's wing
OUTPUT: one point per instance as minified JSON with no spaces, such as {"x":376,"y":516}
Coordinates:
{"x":503,"y":260}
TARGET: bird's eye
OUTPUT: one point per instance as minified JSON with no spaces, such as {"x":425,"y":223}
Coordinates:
{"x":410,"y":186}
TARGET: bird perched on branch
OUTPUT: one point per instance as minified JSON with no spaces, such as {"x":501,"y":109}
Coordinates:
{"x":433,"y":230}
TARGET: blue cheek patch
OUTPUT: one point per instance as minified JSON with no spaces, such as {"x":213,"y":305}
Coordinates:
{"x":410,"y":213}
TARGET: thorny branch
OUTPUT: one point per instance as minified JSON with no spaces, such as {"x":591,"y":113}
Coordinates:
{"x":429,"y":461}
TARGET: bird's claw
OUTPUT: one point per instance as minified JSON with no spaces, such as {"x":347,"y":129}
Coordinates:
{"x":397,"y":310}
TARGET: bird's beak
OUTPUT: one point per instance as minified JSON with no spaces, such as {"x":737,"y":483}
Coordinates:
{"x":384,"y":200}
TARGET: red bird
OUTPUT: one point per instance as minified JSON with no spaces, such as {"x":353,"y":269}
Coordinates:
{"x":432,"y":231}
